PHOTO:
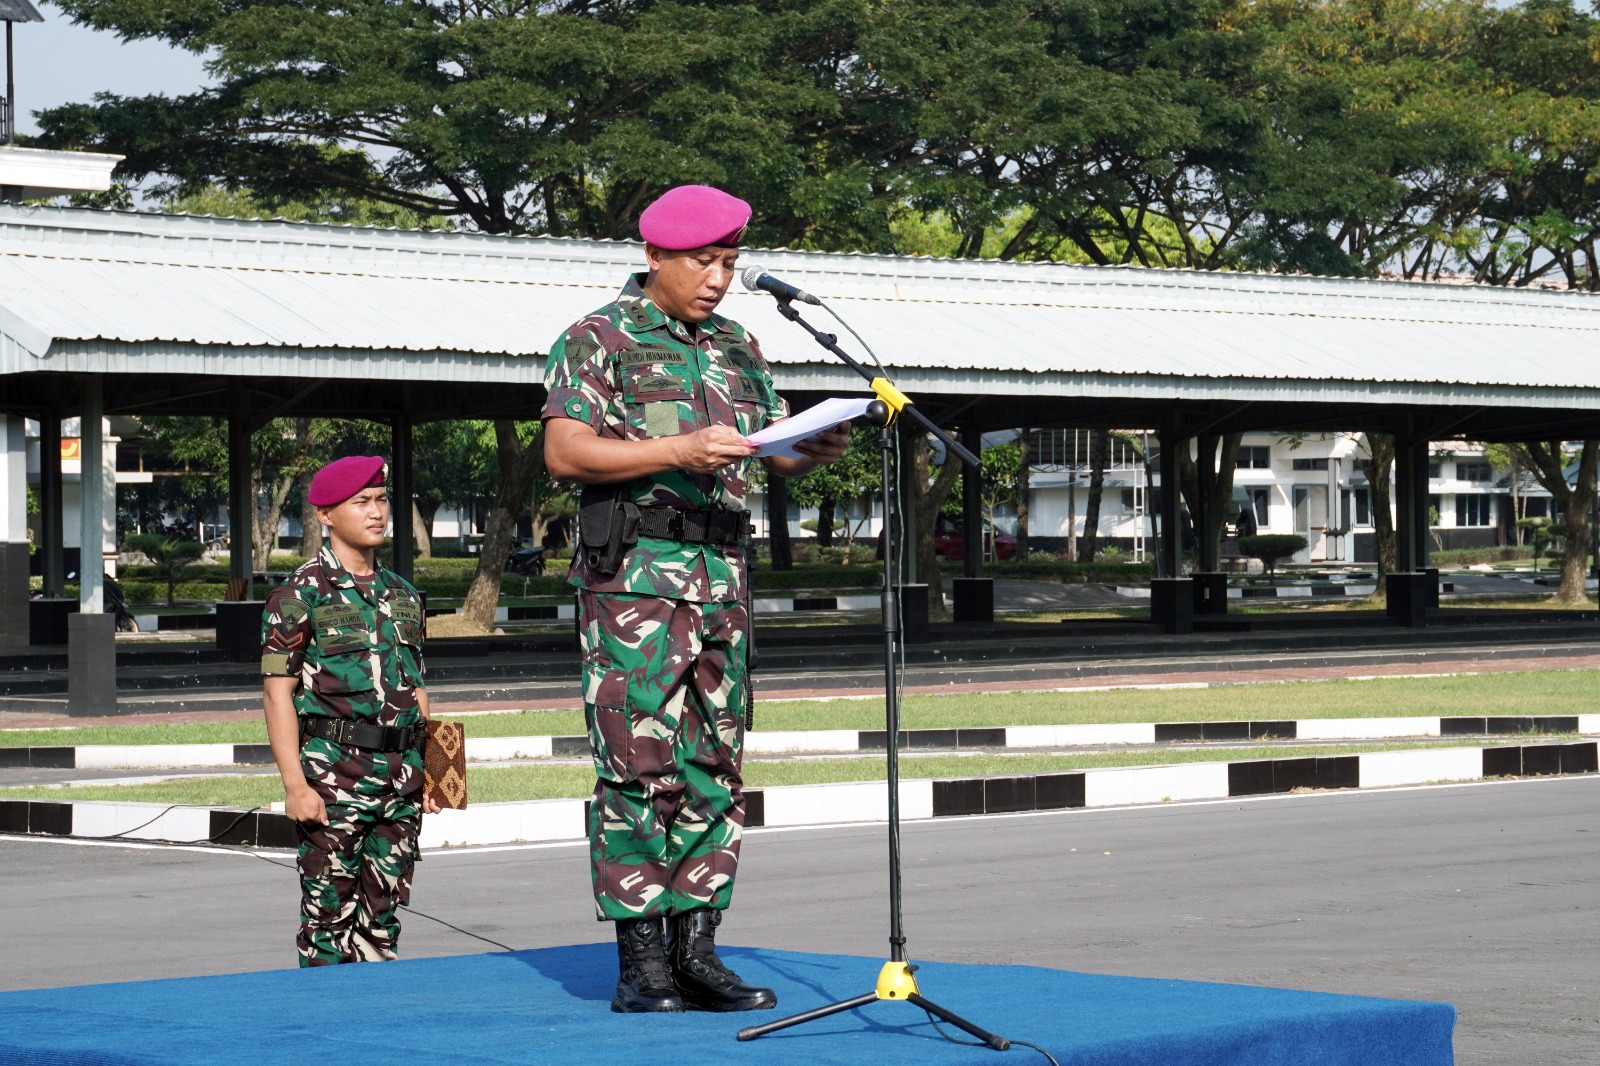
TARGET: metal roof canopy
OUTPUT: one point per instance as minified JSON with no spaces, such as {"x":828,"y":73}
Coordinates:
{"x":177,"y":312}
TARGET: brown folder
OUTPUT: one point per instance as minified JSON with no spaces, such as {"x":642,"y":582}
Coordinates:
{"x":444,"y":764}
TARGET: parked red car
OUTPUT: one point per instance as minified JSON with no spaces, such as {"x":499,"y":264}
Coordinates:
{"x":950,"y":542}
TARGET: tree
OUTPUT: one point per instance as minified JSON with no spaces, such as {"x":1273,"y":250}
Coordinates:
{"x":929,"y":487}
{"x":171,"y":558}
{"x":857,"y":474}
{"x":506,"y":115}
{"x":519,"y":450}
{"x":1377,"y":465}
{"x":1002,"y":472}
{"x":1550,"y":464}
{"x":1215,"y":506}
{"x":1099,"y":460}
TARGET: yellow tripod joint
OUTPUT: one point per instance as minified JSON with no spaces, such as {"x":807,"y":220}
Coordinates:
{"x":895,"y":980}
{"x":892,"y":398}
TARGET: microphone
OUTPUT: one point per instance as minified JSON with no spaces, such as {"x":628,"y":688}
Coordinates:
{"x":756,"y":279}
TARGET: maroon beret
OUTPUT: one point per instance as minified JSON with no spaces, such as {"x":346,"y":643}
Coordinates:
{"x":693,"y":216}
{"x":343,"y":478}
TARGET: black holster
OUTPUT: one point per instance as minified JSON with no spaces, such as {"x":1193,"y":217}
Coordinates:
{"x":608,"y":526}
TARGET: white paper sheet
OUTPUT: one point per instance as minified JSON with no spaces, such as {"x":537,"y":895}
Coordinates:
{"x":779,"y":438}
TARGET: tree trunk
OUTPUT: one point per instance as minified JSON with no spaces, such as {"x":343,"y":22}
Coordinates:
{"x":778,"y":542}
{"x":267,"y":529}
{"x":1099,"y":459}
{"x":1378,"y":467}
{"x":825,"y":522}
{"x":1216,"y":508}
{"x":426,"y":514}
{"x":310,"y":528}
{"x":927,"y":498}
{"x":1544,"y":458}
{"x":1024,"y":464}
{"x":520,"y":464}
{"x":420,"y":529}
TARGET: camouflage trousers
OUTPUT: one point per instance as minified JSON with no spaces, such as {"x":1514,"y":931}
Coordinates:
{"x":355,"y":872}
{"x":664,"y":696}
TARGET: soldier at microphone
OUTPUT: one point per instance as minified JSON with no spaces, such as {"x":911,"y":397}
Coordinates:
{"x":651,"y":398}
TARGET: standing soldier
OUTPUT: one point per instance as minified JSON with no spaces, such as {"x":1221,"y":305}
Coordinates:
{"x":650,"y":399}
{"x":341,"y":659}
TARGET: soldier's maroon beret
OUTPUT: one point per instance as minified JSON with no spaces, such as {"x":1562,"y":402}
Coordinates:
{"x":343,"y":478}
{"x":693,"y":216}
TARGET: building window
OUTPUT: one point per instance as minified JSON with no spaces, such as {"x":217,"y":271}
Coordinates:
{"x":1477,"y":470}
{"x":1311,"y":464}
{"x":1358,"y":507}
{"x":1473,"y":509}
{"x":1253,"y":457}
{"x":1127,"y":499}
{"x":1434,"y":469}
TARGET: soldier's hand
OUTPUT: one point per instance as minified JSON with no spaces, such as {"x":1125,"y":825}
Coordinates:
{"x":430,"y":805}
{"x":305,"y":806}
{"x":828,"y":446}
{"x":705,"y":451}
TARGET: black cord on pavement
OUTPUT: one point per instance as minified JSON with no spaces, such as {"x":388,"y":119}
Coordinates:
{"x":214,"y":844}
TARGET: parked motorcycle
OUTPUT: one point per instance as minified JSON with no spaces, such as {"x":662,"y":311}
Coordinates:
{"x":529,"y":562}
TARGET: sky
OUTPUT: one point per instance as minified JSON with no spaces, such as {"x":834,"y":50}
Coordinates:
{"x":58,"y":63}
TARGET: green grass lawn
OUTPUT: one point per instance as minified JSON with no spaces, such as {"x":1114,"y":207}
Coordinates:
{"x":505,"y":783}
{"x":1544,"y":693}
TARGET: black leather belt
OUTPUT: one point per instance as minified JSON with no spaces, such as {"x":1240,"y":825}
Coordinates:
{"x":710,"y":526}
{"x":364,"y":735}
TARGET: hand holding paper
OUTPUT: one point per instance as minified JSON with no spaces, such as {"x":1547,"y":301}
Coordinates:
{"x":780,"y":438}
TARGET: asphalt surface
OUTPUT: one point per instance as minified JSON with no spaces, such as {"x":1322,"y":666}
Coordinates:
{"x":1481,"y":895}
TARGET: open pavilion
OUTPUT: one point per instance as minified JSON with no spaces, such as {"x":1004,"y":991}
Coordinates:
{"x":107,"y":313}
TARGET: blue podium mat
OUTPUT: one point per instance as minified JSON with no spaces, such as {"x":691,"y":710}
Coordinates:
{"x":552,"y":1006}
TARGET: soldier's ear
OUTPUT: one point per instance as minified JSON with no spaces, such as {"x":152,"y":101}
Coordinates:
{"x":323,"y":516}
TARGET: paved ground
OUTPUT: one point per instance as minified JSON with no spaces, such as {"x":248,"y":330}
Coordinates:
{"x":1481,"y":895}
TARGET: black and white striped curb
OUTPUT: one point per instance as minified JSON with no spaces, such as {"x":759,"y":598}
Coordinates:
{"x":556,"y":821}
{"x":496,"y":749}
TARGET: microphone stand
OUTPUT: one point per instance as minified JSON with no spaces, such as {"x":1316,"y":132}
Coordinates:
{"x":895,"y":978}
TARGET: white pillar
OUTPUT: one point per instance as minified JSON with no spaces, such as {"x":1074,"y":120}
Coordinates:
{"x":13,"y":479}
{"x":92,"y":498}
{"x":14,"y":616}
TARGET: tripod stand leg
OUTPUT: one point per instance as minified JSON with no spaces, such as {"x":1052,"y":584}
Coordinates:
{"x":999,"y":1043}
{"x":807,"y":1016}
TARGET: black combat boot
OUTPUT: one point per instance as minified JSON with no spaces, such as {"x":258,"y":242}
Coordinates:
{"x":703,"y":981}
{"x":645,"y":983}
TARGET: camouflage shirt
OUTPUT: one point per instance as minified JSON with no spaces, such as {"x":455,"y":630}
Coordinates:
{"x":631,"y":373}
{"x":357,"y":652}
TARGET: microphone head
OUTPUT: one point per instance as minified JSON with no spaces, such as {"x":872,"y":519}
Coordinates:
{"x":752,"y":274}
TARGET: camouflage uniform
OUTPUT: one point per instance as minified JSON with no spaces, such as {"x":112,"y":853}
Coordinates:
{"x":358,"y":655}
{"x":663,"y":640}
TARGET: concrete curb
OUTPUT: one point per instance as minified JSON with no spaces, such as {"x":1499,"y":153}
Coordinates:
{"x":554,"y":821}
{"x":492,"y":749}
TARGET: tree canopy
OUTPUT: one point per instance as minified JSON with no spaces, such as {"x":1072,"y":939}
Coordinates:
{"x":1418,"y":137}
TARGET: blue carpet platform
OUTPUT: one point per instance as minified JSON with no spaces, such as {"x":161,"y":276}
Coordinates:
{"x":551,"y":1006}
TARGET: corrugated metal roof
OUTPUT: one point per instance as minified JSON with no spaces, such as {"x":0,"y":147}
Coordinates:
{"x":144,"y":281}
{"x":19,"y":11}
